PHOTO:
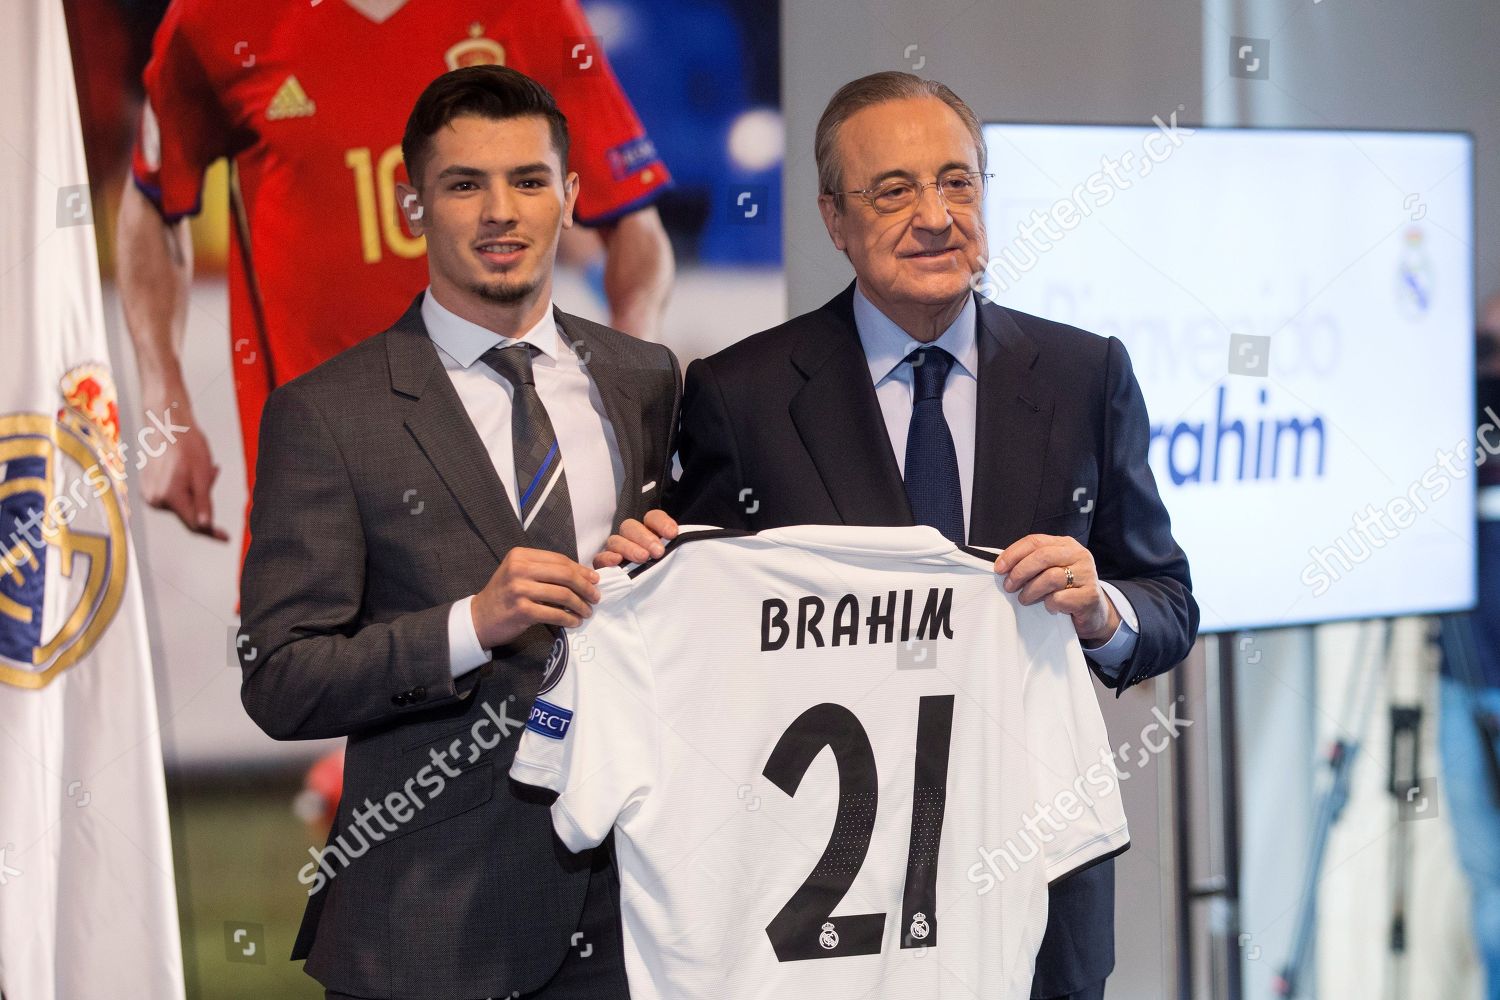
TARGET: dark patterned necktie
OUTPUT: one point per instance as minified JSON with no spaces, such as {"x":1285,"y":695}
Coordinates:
{"x":931,"y":471}
{"x":545,"y":507}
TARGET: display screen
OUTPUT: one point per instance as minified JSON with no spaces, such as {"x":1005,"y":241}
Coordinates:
{"x":1299,"y":310}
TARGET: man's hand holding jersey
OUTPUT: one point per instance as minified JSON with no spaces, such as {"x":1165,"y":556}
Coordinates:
{"x":532,"y":587}
{"x":1058,"y":571}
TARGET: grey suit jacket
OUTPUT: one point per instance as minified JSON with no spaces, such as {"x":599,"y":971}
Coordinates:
{"x":377,"y":507}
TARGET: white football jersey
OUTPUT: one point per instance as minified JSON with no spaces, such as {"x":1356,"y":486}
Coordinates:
{"x":841,"y":762}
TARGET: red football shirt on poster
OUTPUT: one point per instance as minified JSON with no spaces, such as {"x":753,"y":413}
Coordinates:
{"x":310,"y":100}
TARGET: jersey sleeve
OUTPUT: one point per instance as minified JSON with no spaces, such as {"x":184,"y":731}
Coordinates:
{"x":591,"y":735}
{"x":183,"y":128}
{"x":1076,"y":788}
{"x":618,"y":167}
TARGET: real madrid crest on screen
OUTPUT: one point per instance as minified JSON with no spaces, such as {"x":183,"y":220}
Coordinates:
{"x":1414,"y":275}
{"x":62,"y":529}
{"x":557,"y":662}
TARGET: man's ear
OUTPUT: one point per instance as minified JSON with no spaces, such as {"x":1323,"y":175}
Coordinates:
{"x":570,"y":199}
{"x":410,"y":203}
{"x":833,"y":219}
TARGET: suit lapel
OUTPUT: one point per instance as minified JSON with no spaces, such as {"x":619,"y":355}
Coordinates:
{"x":1012,"y":426}
{"x":620,"y":405}
{"x":446,"y":435}
{"x":838,"y":418}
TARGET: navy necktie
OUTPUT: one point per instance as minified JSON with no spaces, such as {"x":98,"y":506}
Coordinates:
{"x":931,"y":462}
{"x":546,"y":510}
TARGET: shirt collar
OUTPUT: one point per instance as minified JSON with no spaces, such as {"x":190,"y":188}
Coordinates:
{"x":464,"y":341}
{"x":887,"y":345}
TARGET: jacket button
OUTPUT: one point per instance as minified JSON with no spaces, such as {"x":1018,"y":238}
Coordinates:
{"x":398,"y":699}
{"x":420,"y":693}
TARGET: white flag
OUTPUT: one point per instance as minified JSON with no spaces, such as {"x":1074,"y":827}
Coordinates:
{"x":87,"y":905}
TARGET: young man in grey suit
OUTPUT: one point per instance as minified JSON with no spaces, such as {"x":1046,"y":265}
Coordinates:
{"x":907,"y":399}
{"x":421,"y":504}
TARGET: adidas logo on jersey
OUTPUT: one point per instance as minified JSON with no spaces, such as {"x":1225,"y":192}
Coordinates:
{"x":291,"y":101}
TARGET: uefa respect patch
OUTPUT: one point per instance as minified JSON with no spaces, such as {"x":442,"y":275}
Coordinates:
{"x":549,"y":720}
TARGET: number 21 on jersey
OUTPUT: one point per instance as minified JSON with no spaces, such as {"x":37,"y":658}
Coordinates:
{"x":805,"y":927}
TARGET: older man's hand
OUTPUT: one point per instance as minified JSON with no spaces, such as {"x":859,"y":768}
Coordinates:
{"x":1035,"y":569}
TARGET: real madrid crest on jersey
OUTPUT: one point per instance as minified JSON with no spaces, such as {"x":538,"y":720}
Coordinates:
{"x":62,"y":529}
{"x":476,"y":50}
{"x":557,"y":662}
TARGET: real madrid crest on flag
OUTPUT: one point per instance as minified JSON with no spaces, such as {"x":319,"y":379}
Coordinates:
{"x":88,"y":906}
{"x":63,"y":558}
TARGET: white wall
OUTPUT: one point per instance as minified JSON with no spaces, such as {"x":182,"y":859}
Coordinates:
{"x":1370,"y":64}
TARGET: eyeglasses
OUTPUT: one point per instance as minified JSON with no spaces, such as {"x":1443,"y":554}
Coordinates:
{"x":956,"y":187}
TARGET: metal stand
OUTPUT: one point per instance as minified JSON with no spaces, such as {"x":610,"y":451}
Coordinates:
{"x":1364,"y":685}
{"x":1219,"y":891}
{"x":1404,"y":785}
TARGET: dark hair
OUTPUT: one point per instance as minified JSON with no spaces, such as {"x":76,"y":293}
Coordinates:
{"x":487,"y":91}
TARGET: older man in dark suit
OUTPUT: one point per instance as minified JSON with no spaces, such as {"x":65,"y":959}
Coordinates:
{"x":420,"y":505}
{"x":908,"y":399}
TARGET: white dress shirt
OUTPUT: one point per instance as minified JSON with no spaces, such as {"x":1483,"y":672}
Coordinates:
{"x":591,"y":453}
{"x":886,"y":346}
